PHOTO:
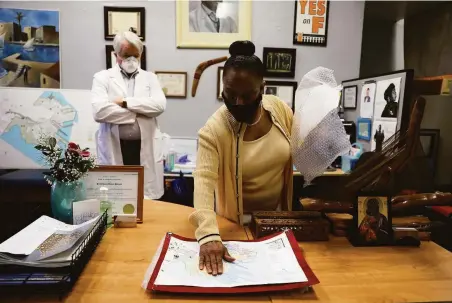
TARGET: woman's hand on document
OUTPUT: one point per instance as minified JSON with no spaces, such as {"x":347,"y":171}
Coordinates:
{"x":211,"y":255}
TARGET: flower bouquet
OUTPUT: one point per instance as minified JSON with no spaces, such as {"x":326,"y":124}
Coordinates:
{"x":67,"y":169}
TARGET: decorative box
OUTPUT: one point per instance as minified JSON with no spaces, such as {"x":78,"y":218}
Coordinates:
{"x":306,"y":225}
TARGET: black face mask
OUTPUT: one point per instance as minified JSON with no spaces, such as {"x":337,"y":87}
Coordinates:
{"x":243,"y":113}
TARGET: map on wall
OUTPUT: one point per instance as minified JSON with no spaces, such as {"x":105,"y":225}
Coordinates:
{"x":28,"y":114}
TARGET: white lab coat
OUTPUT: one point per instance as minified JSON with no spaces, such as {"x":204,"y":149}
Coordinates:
{"x":200,"y":22}
{"x":147,"y":103}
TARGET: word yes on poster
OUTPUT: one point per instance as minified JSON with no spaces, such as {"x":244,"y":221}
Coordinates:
{"x":311,"y":22}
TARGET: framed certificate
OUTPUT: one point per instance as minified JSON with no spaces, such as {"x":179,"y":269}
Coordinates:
{"x":111,"y":58}
{"x":125,"y":188}
{"x":122,"y":19}
{"x":174,"y":84}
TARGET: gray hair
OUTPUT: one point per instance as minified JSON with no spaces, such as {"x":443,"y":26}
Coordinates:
{"x":129,"y":37}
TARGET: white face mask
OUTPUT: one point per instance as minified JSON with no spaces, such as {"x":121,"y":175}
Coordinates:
{"x":129,"y":65}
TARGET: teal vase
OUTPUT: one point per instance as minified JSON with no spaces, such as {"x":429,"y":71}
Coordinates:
{"x":63,"y":195}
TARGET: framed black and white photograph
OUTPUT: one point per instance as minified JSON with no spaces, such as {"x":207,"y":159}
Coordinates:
{"x":122,"y":19}
{"x":349,"y":96}
{"x":311,"y":23}
{"x":372,"y":221}
{"x":174,"y":84}
{"x":284,"y":90}
{"x":111,"y":57}
{"x":279,"y":62}
{"x":220,"y":83}
{"x":387,"y":99}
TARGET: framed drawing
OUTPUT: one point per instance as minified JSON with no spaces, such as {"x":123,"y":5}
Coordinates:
{"x":311,"y":22}
{"x":350,"y":95}
{"x":279,"y":62}
{"x":220,"y":83}
{"x":284,"y":90}
{"x":364,"y":129}
{"x":174,"y":84}
{"x":110,"y":57}
{"x":372,"y":221}
{"x":122,"y":19}
{"x":125,"y":188}
{"x":212,"y":24}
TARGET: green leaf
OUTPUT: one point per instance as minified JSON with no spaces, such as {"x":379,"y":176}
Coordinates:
{"x":39,"y":147}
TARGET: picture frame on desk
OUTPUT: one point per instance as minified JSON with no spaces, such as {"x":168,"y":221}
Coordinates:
{"x":372,"y":220}
{"x":125,"y":187}
{"x":121,"y":19}
{"x":110,"y":57}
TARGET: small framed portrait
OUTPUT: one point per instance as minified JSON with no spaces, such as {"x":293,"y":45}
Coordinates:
{"x":350,"y":95}
{"x":122,"y":19}
{"x":220,"y":83}
{"x":279,"y":62}
{"x":284,"y":90}
{"x":372,"y":221}
{"x":110,"y":57}
{"x":174,"y":84}
{"x":364,"y":129}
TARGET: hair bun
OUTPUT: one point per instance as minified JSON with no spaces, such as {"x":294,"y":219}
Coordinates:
{"x":242,"y":48}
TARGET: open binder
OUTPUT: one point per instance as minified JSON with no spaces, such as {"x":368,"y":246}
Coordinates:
{"x":174,"y":267}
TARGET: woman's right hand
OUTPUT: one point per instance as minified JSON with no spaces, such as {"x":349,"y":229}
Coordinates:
{"x":211,"y":255}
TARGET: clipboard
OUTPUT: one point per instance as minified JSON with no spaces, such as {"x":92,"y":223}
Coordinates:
{"x":311,"y":278}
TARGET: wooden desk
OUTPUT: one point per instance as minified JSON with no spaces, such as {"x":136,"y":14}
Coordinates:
{"x":346,"y":274}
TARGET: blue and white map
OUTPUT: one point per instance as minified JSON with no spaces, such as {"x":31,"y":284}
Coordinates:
{"x":28,"y":114}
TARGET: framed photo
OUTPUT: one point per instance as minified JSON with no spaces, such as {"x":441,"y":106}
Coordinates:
{"x":279,"y":62}
{"x":174,"y":84}
{"x":284,"y":90}
{"x":111,"y":58}
{"x":212,"y":24}
{"x":125,"y":188}
{"x":430,"y":144}
{"x":122,"y":19}
{"x":220,"y":83}
{"x":311,"y":22}
{"x":372,"y":221}
{"x":349,"y":96}
{"x":364,"y":129}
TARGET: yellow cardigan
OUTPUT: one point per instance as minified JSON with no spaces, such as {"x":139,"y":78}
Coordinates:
{"x":218,"y":173}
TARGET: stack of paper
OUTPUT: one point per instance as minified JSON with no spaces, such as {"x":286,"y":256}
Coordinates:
{"x":45,"y":243}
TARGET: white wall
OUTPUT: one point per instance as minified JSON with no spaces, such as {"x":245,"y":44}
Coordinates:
{"x":83,"y":48}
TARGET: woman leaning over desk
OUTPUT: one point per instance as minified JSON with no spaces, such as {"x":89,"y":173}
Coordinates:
{"x":244,"y":161}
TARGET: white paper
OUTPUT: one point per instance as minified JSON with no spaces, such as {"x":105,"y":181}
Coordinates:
{"x":366,"y":108}
{"x":83,"y":211}
{"x":350,"y":97}
{"x":383,"y":108}
{"x":122,"y":189}
{"x":257,"y":263}
{"x":388,"y":126}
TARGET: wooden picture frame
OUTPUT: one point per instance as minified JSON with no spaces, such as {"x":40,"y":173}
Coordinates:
{"x":350,"y":94}
{"x":220,"y":83}
{"x":311,"y":23}
{"x":110,"y":59}
{"x":111,"y":175}
{"x":169,"y":83}
{"x":119,"y":19}
{"x":285,"y":90}
{"x":372,"y":220}
{"x":364,"y":129}
{"x":279,"y":62}
{"x":234,"y":24}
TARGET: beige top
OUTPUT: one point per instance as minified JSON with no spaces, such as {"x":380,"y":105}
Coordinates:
{"x":262,"y":179}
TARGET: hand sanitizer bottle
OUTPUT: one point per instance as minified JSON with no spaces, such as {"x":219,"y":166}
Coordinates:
{"x":106,"y":205}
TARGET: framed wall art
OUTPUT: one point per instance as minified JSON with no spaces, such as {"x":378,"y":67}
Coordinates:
{"x":220,"y":83}
{"x":212,"y":24}
{"x":110,"y":58}
{"x":350,"y":96}
{"x":430,"y":144}
{"x":279,"y":62}
{"x":284,"y":90}
{"x":311,"y":22}
{"x":174,"y":84}
{"x":122,"y":19}
{"x":364,"y":129}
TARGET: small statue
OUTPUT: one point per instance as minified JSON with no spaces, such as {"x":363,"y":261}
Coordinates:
{"x":379,"y":138}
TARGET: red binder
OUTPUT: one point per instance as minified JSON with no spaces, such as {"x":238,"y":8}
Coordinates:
{"x":312,"y":279}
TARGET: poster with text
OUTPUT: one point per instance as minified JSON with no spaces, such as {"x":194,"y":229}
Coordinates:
{"x":387,"y":127}
{"x":366,"y":107}
{"x":387,"y":99}
{"x":311,"y":22}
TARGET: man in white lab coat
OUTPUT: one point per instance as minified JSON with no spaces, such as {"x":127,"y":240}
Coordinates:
{"x":204,"y":19}
{"x":126,"y":101}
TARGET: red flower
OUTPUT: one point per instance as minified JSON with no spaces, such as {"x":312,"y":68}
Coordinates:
{"x":72,"y":145}
{"x":85,"y":154}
